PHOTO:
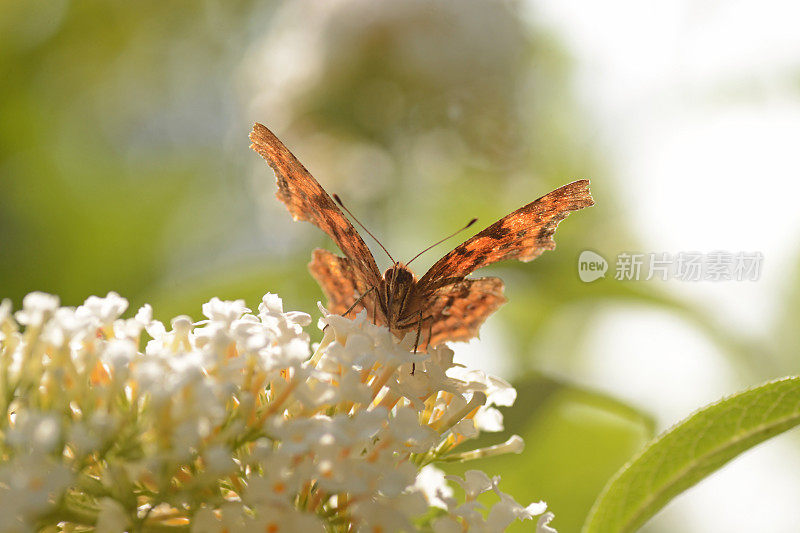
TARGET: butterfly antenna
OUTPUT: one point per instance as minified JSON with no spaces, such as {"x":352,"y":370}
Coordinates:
{"x":471,"y":222}
{"x":339,"y":201}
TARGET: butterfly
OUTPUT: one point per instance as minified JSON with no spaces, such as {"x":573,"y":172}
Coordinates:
{"x":442,"y":305}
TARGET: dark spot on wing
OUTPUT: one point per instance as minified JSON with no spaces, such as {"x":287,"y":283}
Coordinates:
{"x":499,"y":232}
{"x":465,"y":252}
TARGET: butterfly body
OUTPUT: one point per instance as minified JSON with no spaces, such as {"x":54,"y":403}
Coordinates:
{"x":394,"y":303}
{"x":396,"y":294}
{"x":442,"y":305}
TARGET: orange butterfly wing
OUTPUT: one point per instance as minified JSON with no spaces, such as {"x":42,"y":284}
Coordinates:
{"x":458,"y":310}
{"x":307,"y":200}
{"x":523,"y":235}
{"x":341,"y":284}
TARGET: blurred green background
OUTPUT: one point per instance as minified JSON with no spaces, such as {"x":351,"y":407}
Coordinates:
{"x":124,"y":166}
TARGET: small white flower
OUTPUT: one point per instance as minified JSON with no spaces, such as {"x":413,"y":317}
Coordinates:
{"x":224,"y":311}
{"x":543,"y":525}
{"x":280,"y":519}
{"x":132,"y":328}
{"x":405,"y":427}
{"x":312,"y":394}
{"x":289,"y":354}
{"x":104,"y":310}
{"x":507,"y":510}
{"x":471,"y":513}
{"x":498,"y":391}
{"x":144,"y":315}
{"x":387,"y":516}
{"x":465,"y":428}
{"x":119,"y":354}
{"x":181,"y":328}
{"x":297,"y":436}
{"x":271,"y":304}
{"x":36,"y":308}
{"x":65,"y":325}
{"x":489,"y":419}
{"x":277,"y":485}
{"x":35,"y":433}
{"x":155,"y":329}
{"x":127,"y":329}
{"x":395,"y":480}
{"x":5,"y":310}
{"x":474,"y":483}
{"x":352,"y":389}
{"x":431,"y":481}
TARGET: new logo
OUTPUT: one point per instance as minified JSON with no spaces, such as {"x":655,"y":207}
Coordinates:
{"x":591,"y":266}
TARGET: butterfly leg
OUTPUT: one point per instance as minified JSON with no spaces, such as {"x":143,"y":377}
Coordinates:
{"x":419,"y":330}
{"x":416,"y":342}
{"x":358,"y":300}
{"x":355,"y":304}
{"x":430,"y":334}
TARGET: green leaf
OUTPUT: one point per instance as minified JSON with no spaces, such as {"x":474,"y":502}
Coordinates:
{"x":690,"y":451}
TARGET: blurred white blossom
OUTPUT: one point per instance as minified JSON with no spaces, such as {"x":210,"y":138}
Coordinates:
{"x":234,"y":424}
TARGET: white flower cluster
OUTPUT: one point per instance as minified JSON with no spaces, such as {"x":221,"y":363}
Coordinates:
{"x":232,"y":424}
